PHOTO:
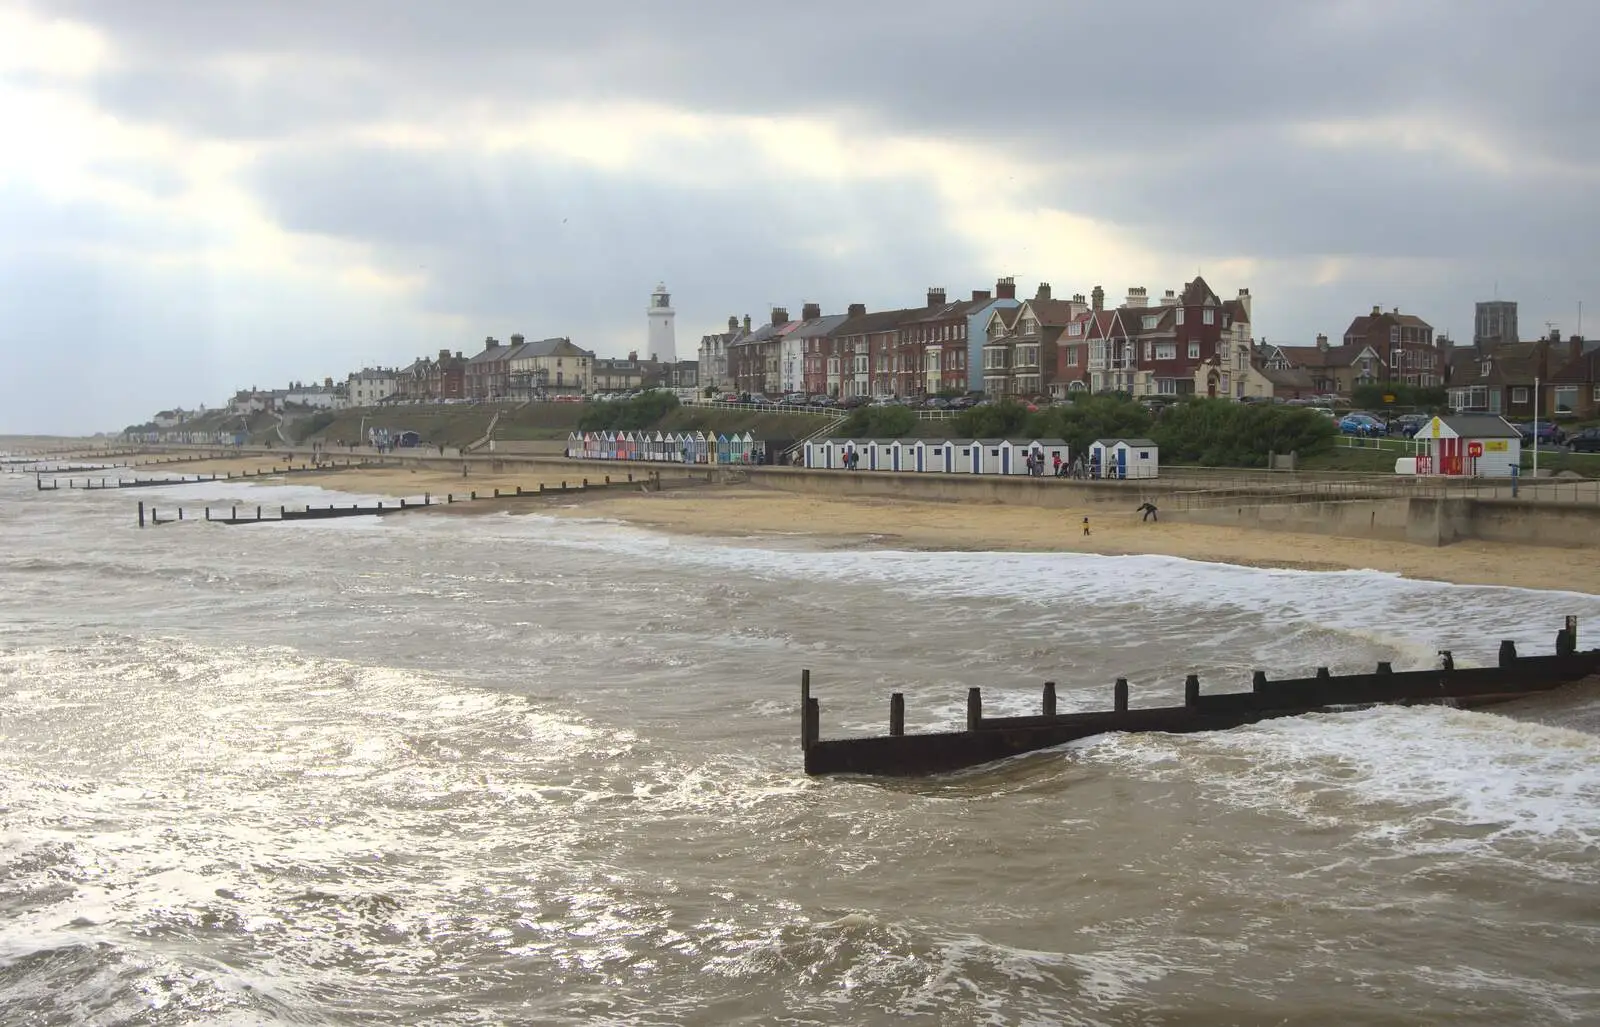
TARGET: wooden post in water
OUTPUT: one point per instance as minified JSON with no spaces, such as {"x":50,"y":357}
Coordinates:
{"x":180,"y":513}
{"x":497,"y":492}
{"x":1385,"y":667}
{"x":1049,"y":698}
{"x":1119,"y":696}
{"x":1322,"y":674}
{"x":897,"y":714}
{"x":1191,"y":690}
{"x":258,"y":513}
{"x":974,"y":708}
{"x":1508,"y":652}
{"x":1258,"y":682}
{"x":141,"y":513}
{"x":805,"y":709}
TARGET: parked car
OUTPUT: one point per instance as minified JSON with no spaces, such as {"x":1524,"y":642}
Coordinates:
{"x":1548,"y":433}
{"x":1585,"y":441}
{"x":1362,"y":424}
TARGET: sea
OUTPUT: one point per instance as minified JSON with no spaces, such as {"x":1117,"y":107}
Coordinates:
{"x":523,"y":769}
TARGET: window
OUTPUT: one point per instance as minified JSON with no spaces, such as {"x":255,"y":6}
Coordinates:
{"x":1519,"y":396}
{"x":1180,"y":315}
{"x":1167,"y":351}
{"x":1149,"y":320}
{"x":1167,"y":386}
{"x":1194,"y":349}
{"x":1566,"y":399}
{"x":1208,"y":316}
{"x":1149,"y":350}
{"x":1075,"y":329}
{"x":1394,"y":334}
{"x":1596,"y":396}
{"x":1097,"y":352}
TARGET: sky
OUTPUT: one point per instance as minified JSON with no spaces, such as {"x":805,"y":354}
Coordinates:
{"x":197,"y":197}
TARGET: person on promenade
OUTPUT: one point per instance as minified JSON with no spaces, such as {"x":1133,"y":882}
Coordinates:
{"x":1149,"y":511}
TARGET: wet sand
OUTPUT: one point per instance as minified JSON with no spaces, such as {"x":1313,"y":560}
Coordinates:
{"x":753,"y":511}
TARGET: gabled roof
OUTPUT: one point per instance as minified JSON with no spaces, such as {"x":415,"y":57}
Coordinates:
{"x":1236,"y":312}
{"x":547,"y":348}
{"x":1198,"y":294}
{"x":950,"y":311}
{"x":818,"y":326}
{"x":1480,"y":426}
{"x":881,"y":321}
{"x":1136,"y":443}
{"x":1052,"y":313}
{"x":491,"y":355}
{"x":1582,"y":370}
{"x":1333,"y":356}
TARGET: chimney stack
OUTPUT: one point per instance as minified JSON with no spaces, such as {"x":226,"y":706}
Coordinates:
{"x":491,"y":343}
{"x":1376,"y":310}
{"x":1322,"y":343}
{"x":517,"y":340}
{"x":780,"y":316}
{"x":633,"y":355}
{"x":936,"y":297}
{"x":444,"y":355}
{"x":1169,"y":299}
{"x":979,"y":295}
{"x":1006,"y":289}
{"x":1044,"y":291}
{"x":327,"y":383}
{"x":1099,"y":296}
{"x":747,"y":324}
{"x":733,"y":322}
{"x":1137,"y":296}
{"x":857,"y":310}
{"x":810,"y":311}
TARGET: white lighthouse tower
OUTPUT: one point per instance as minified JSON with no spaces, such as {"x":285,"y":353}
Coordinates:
{"x":663,"y":339}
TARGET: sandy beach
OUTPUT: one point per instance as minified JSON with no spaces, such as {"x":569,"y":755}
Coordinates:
{"x":754,"y":511}
{"x":920,"y":525}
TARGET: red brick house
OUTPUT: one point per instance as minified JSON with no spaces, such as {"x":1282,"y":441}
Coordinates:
{"x":1404,"y":343}
{"x":1574,"y":388}
{"x":446,"y":377}
{"x":932,"y":351}
{"x":488,"y":375}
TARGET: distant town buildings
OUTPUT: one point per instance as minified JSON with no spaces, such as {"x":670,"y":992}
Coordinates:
{"x":1187,"y":341}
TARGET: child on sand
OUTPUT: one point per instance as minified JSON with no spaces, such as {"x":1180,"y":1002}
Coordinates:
{"x":1086,"y":527}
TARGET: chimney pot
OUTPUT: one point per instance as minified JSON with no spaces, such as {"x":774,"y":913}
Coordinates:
{"x":1376,"y":310}
{"x":733,"y":322}
{"x":516,"y":340}
{"x":811,"y":311}
{"x":936,"y":297}
{"x":747,"y":324}
{"x":1044,"y":291}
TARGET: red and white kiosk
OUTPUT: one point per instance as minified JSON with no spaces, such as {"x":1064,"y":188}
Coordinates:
{"x":1469,"y":445}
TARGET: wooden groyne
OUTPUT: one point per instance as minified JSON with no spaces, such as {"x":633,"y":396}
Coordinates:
{"x":986,"y":739}
{"x":150,"y":516}
{"x":96,"y":484}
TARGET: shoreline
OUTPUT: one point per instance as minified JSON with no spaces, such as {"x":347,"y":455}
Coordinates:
{"x":755,"y":511}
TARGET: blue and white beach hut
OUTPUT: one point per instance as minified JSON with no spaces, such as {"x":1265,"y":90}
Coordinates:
{"x":902,"y":455}
{"x":986,"y":456}
{"x":1126,"y":458}
{"x":722,"y":449}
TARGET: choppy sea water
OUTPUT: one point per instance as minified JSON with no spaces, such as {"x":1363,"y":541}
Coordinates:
{"x":522,"y":770}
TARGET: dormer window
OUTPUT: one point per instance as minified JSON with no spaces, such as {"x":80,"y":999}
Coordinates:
{"x":1150,"y":320}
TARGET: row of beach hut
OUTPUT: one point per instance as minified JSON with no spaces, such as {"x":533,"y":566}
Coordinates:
{"x":1107,"y":458}
{"x":666,"y":447}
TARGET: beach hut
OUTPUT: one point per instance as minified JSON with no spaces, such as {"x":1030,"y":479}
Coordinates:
{"x":574,"y":444}
{"x":699,"y":447}
{"x":1012,"y":457}
{"x":1125,"y":458}
{"x":902,"y":455}
{"x":722,"y":449}
{"x":1470,"y":445}
{"x":875,"y":455}
{"x":986,"y":456}
{"x":747,"y":448}
{"x":1051,"y":448}
{"x":936,"y":456}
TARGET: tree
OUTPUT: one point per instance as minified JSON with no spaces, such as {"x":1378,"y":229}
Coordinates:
{"x":636,"y":414}
{"x":1091,"y":417}
{"x":997,"y":421}
{"x":1221,"y":433}
{"x":1373,"y":396}
{"x":879,"y":423}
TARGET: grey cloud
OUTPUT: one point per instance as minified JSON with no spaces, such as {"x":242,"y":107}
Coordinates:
{"x":1050,"y":74}
{"x":549,"y":247}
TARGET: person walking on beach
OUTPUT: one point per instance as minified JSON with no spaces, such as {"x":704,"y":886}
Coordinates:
{"x":1086,"y":527}
{"x":1149,"y":511}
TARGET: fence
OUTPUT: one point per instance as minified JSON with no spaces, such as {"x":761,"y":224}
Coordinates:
{"x":1201,"y":487}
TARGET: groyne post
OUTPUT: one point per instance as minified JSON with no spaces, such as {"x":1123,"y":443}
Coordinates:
{"x":805,"y":709}
{"x":1258,"y":682}
{"x":1119,"y":696}
{"x":1049,"y":698}
{"x":1191,"y":690}
{"x":1567,"y":638}
{"x":974,"y":708}
{"x":1508,"y":652}
{"x":1385,"y":667}
{"x":141,"y":513}
{"x":1322,"y":674}
{"x":897,"y":714}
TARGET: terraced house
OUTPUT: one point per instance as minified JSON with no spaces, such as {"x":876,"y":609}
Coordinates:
{"x":1020,"y":353}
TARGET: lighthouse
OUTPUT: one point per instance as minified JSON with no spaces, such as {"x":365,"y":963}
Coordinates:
{"x":663,"y":344}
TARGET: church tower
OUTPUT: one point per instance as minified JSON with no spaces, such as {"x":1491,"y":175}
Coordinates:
{"x":663,"y":344}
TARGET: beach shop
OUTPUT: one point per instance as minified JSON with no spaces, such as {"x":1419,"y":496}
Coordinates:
{"x":1468,"y":445}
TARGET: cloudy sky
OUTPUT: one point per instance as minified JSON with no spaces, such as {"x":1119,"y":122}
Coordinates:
{"x":198,"y":196}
